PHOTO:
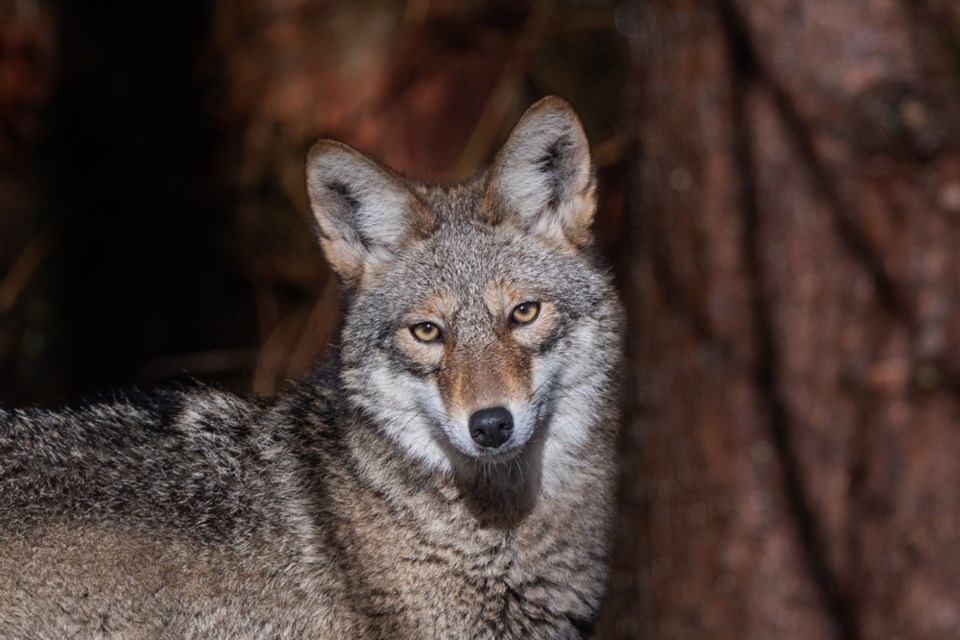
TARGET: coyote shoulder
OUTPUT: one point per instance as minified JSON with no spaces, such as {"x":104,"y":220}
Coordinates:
{"x":449,"y":475}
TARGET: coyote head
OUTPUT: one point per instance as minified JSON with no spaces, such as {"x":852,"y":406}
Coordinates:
{"x":476,"y":321}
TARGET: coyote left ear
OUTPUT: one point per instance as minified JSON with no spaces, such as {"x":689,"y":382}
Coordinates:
{"x":543,"y":176}
{"x":365,"y":212}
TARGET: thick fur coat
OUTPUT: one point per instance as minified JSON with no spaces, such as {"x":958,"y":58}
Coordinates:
{"x":449,"y":475}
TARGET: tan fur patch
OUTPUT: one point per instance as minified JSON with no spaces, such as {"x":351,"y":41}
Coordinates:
{"x":490,"y":377}
{"x":498,"y":374}
{"x":501,"y":298}
{"x":442,"y":306}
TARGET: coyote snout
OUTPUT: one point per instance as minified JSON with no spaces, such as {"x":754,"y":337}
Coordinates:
{"x":490,"y":428}
{"x":483,"y":379}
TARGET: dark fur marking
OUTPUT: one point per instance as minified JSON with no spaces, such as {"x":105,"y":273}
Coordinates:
{"x":560,"y":329}
{"x":551,"y":341}
{"x":345,"y":193}
{"x":551,"y":164}
{"x":400,"y":362}
{"x":347,"y":196}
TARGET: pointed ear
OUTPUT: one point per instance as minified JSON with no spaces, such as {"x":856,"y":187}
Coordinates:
{"x":365,"y":212}
{"x":543,"y":177}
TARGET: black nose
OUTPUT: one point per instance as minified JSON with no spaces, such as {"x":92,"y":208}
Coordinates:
{"x":491,"y":427}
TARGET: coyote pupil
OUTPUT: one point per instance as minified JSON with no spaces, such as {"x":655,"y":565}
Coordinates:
{"x":448,"y":475}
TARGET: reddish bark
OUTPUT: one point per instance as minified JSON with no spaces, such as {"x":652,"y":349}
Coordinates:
{"x":791,"y":451}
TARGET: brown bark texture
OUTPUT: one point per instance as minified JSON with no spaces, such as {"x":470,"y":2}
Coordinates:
{"x":791,"y":458}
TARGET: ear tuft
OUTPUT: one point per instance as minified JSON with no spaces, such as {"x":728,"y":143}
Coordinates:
{"x":364,"y":211}
{"x":543,"y":177}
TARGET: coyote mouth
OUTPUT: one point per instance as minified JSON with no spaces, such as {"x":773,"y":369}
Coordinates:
{"x":504,"y":453}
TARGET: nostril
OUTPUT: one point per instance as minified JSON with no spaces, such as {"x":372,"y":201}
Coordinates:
{"x":491,"y":427}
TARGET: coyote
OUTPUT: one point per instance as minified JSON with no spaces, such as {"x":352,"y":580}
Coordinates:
{"x":448,"y":475}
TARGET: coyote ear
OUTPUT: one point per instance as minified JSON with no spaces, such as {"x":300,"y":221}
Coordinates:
{"x":543,"y":176}
{"x":365,"y":211}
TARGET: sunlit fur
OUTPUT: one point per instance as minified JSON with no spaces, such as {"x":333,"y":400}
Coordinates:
{"x":357,"y":505}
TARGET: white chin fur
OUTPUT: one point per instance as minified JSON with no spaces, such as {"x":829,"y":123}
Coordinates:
{"x":398,"y":402}
{"x":578,"y":384}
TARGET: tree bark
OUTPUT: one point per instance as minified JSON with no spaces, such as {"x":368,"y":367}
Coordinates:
{"x":791,"y":451}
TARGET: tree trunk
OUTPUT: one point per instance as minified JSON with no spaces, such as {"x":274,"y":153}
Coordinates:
{"x":792,"y":443}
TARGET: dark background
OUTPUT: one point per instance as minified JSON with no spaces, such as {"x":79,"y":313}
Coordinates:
{"x":153,"y":216}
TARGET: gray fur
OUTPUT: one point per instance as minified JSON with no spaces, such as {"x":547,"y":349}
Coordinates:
{"x":346,"y":508}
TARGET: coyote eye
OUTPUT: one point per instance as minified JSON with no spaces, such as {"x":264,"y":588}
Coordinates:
{"x":426,"y":332}
{"x":525,"y":312}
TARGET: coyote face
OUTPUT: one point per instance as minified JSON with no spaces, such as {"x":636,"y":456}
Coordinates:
{"x":476,"y":321}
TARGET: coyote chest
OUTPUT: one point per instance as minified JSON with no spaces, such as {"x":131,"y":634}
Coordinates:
{"x":448,"y":475}
{"x":529,"y":580}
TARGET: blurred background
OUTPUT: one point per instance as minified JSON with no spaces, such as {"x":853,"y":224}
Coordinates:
{"x":779,"y":194}
{"x":153,"y":214}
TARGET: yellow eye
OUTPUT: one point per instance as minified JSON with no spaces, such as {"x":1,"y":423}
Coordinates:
{"x":525,"y":312}
{"x":426,"y":332}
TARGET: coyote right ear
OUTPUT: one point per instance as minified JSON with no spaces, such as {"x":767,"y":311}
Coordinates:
{"x":365,"y":211}
{"x":543,"y":177}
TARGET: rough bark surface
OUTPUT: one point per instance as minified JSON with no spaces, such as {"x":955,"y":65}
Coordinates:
{"x":792,"y":451}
